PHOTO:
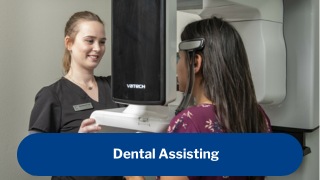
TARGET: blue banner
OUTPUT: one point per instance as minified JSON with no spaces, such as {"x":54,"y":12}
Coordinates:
{"x":152,"y":154}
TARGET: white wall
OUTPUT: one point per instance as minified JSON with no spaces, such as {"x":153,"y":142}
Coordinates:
{"x":31,"y":50}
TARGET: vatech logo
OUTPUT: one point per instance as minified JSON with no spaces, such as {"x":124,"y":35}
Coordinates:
{"x":136,"y":86}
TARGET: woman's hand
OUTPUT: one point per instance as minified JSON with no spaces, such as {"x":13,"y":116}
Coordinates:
{"x":161,"y":178}
{"x":174,"y":178}
{"x":87,"y":127}
{"x":134,"y":177}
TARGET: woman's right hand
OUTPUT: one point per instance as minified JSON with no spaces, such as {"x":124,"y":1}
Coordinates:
{"x":88,"y":127}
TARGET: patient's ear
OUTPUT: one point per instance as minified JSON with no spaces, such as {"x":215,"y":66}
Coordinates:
{"x":197,"y":63}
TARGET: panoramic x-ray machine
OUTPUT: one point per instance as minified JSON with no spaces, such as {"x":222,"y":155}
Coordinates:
{"x":283,"y":57}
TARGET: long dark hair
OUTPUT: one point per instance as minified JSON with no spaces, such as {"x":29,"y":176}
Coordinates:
{"x":226,"y":75}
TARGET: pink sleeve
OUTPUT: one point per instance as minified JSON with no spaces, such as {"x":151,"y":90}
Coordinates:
{"x":267,"y":120}
{"x":268,"y":123}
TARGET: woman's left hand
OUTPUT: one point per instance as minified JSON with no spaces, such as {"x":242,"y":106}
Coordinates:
{"x":134,"y":177}
{"x":88,"y":127}
{"x":174,"y":178}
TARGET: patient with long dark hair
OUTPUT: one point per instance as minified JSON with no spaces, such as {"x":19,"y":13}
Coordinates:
{"x":223,"y":88}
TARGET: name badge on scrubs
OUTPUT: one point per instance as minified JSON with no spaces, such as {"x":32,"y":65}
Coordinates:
{"x":81,"y":107}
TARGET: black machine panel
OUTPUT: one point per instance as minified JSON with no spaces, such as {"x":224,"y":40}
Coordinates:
{"x":138,"y":51}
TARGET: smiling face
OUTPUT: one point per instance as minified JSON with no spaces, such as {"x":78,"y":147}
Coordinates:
{"x":88,"y":46}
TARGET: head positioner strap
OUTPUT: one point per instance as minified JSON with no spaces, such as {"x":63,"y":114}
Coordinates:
{"x":188,"y":46}
{"x":191,"y":45}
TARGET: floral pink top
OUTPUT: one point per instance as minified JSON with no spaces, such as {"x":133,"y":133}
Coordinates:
{"x":201,"y":119}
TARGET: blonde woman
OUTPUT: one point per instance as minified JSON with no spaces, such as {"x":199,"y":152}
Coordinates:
{"x":66,"y":105}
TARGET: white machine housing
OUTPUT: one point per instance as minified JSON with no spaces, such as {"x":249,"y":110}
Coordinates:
{"x":260,"y":24}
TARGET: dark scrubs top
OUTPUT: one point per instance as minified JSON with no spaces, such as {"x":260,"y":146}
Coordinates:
{"x":53,"y":111}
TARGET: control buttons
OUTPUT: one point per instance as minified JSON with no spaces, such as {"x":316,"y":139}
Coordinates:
{"x":142,"y":119}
